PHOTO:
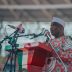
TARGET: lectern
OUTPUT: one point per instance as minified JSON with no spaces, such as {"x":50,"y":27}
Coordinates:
{"x":32,"y":57}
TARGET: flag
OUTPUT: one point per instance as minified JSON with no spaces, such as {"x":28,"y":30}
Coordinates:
{"x":32,"y":57}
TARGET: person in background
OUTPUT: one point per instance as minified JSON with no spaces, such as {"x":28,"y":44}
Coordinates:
{"x":61,"y":59}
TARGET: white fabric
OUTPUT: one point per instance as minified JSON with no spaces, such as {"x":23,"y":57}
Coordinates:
{"x":59,"y":21}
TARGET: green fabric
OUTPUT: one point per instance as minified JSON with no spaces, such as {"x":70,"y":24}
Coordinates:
{"x":20,"y":54}
{"x":8,"y":47}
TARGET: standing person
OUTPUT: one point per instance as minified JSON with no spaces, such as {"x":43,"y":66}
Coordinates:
{"x":61,"y":60}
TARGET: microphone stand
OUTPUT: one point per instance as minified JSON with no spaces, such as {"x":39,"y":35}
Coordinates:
{"x":32,"y":35}
{"x":13,"y":52}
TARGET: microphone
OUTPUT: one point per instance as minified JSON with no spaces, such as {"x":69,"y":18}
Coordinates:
{"x":47,"y":34}
{"x":12,"y":26}
{"x":19,"y":28}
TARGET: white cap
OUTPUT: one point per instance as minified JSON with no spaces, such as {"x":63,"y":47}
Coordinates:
{"x":59,"y":21}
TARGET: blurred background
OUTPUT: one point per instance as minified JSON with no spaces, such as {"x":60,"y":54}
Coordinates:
{"x":34,"y":15}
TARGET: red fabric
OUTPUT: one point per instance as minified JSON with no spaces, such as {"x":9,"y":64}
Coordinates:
{"x":37,"y":54}
{"x":58,"y":67}
{"x":32,"y":68}
{"x":36,"y":57}
{"x":63,"y":46}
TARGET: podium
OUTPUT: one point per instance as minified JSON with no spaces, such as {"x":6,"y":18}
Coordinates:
{"x":34,"y":56}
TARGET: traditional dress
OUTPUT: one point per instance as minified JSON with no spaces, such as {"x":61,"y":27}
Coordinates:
{"x":61,"y":60}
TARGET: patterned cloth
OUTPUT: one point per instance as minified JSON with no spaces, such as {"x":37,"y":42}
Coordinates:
{"x":62,"y":47}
